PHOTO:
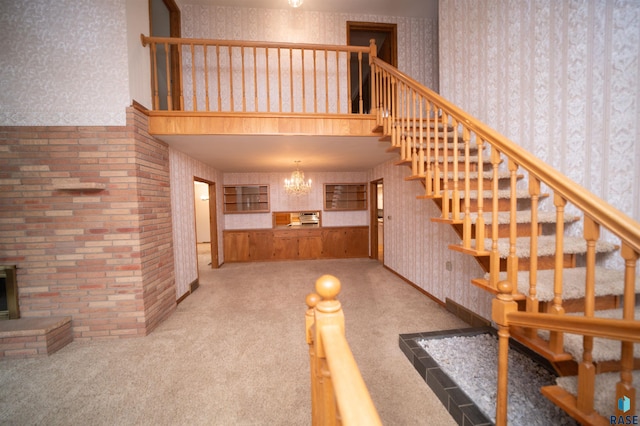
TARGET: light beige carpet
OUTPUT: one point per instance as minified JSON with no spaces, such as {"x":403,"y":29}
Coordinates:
{"x":234,"y":353}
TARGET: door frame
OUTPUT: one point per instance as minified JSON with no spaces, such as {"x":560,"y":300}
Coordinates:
{"x":378,"y":27}
{"x":373,"y":221}
{"x":175,"y":30}
{"x":213,"y":222}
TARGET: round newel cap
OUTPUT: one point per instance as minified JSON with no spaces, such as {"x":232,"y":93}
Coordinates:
{"x":312,"y":300}
{"x":328,"y":287}
{"x":504,"y":289}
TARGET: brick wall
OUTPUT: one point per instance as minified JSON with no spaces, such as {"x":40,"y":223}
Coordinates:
{"x":85,"y":214}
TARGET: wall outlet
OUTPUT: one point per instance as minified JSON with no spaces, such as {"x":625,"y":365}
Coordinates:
{"x":449,"y":266}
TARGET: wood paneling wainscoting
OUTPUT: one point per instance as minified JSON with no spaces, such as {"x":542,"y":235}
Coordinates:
{"x":289,"y":243}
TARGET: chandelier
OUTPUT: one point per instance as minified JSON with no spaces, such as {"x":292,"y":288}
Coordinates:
{"x":295,"y":3}
{"x":296,"y":184}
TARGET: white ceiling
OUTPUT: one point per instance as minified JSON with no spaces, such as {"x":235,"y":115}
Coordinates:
{"x":415,"y":8}
{"x":238,"y":153}
{"x":316,"y":153}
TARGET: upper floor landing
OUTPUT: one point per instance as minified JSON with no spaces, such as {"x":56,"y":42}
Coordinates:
{"x":210,"y":87}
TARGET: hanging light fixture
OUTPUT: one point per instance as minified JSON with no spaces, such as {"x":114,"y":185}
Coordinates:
{"x":295,"y":3}
{"x":296,"y":185}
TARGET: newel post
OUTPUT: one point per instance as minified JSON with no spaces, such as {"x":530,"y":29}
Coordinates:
{"x":327,"y":311}
{"x":373,"y":101}
{"x":501,"y":307}
{"x":312,"y":300}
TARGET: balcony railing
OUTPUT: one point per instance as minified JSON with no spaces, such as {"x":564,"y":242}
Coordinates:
{"x":242,"y":76}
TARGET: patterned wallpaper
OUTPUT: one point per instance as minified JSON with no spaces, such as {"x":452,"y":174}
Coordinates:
{"x":417,"y":248}
{"x":417,"y":37}
{"x":183,"y":169}
{"x":562,"y":79}
{"x":63,"y":62}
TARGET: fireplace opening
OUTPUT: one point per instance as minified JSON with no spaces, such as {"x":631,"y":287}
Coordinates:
{"x":9,"y":308}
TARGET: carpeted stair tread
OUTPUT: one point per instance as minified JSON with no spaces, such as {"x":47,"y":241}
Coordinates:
{"x":486,"y":175}
{"x":502,"y":194}
{"x":521,"y":217}
{"x":472,"y":159}
{"x":607,"y":282}
{"x":547,"y":246}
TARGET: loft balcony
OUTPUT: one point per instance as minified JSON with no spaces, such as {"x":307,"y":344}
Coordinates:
{"x":224,"y":87}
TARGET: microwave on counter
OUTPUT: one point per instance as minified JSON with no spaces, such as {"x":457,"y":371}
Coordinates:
{"x":309,"y":218}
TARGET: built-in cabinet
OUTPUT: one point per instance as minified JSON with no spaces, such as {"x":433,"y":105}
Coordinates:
{"x":246,"y":198}
{"x":293,"y":244}
{"x":345,"y":196}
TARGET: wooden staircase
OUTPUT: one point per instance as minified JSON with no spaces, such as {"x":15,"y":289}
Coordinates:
{"x":538,"y":262}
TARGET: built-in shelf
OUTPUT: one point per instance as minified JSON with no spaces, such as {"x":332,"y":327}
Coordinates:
{"x":246,"y":199}
{"x":345,"y":196}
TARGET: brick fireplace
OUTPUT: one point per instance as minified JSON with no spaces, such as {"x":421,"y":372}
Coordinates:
{"x":85,"y":214}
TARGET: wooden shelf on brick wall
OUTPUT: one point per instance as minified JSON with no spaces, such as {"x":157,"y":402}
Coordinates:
{"x":67,"y":185}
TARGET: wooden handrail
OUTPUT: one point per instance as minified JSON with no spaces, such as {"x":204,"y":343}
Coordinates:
{"x":354,"y":402}
{"x":622,"y":225}
{"x":618,"y":329}
{"x":339,"y":394}
{"x":243,"y":43}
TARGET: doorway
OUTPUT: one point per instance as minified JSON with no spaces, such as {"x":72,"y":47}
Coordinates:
{"x":377,"y":220}
{"x":206,"y":223}
{"x":359,"y":34}
{"x":164,"y":21}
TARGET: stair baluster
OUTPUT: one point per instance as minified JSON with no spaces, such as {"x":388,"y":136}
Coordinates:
{"x":445,"y":165}
{"x":156,"y":97}
{"x":455,"y":197}
{"x":436,"y":139}
{"x":512,"y":259}
{"x":169,"y":76}
{"x":242,"y":69}
{"x":494,"y":258}
{"x":429,"y":177}
{"x":393,"y":103}
{"x":556,"y":338}
{"x":405,"y":122}
{"x":231,"y":72}
{"x":624,"y":388}
{"x":466,"y":224}
{"x":586,"y":369}
{"x":480,"y":218}
{"x":532,"y":303}
{"x":421,"y":140}
{"x":218,"y":76}
{"x":414,"y":152}
{"x":207,"y":105}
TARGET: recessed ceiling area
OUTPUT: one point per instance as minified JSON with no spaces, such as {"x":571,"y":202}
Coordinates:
{"x":271,"y":153}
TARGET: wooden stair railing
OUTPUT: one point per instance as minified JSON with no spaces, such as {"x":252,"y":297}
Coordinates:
{"x":252,"y":76}
{"x":476,"y":176}
{"x":339,"y":395}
